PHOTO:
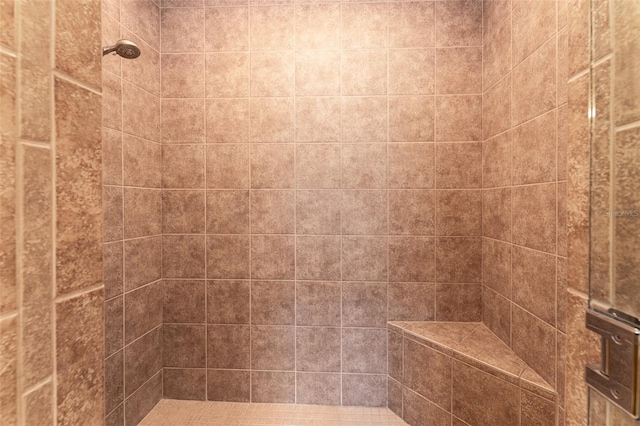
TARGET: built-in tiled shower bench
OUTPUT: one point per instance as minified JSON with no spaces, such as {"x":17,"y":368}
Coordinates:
{"x":447,"y":373}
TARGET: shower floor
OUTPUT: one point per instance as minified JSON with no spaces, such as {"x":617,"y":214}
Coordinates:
{"x":173,"y":412}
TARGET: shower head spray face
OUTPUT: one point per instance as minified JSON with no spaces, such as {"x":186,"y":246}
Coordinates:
{"x":125,"y":48}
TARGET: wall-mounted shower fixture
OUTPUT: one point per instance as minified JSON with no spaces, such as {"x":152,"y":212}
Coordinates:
{"x":125,"y":48}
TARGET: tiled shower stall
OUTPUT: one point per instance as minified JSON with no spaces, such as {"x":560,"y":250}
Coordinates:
{"x":280,"y":179}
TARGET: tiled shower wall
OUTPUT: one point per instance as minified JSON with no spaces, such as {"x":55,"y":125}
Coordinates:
{"x":51,"y":292}
{"x":321,"y":174}
{"x":132,"y":201}
{"x":524,"y":171}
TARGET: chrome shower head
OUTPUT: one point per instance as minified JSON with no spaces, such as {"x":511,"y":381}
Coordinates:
{"x":125,"y":48}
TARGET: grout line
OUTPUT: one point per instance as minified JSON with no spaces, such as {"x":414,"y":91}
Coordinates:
{"x":54,"y":208}
{"x":57,"y":74}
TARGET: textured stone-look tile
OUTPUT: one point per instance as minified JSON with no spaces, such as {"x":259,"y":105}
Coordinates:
{"x":364,"y":258}
{"x":228,"y":346}
{"x":77,"y":25}
{"x":364,"y":350}
{"x":411,"y":302}
{"x":458,"y":165}
{"x":318,"y":303}
{"x":272,"y":73}
{"x":470,"y":387}
{"x":227,"y":75}
{"x":142,"y":212}
{"x":364,"y":166}
{"x":364,"y":390}
{"x":458,"y":302}
{"x":228,"y":302}
{"x":496,"y":160}
{"x":78,"y":202}
{"x":536,"y":410}
{"x":9,"y":356}
{"x":38,"y":405}
{"x":142,"y":162}
{"x":493,"y":12}
{"x":417,"y":410}
{"x":458,"y":259}
{"x":144,"y":16}
{"x":496,"y":314}
{"x":364,"y":212}
{"x":532,"y":26}
{"x":112,"y":214}
{"x":183,"y":212}
{"x":318,"y":257}
{"x":540,"y":356}
{"x":627,"y":107}
{"x":272,"y":120}
{"x":273,"y":257}
{"x":184,"y":301}
{"x":317,"y":119}
{"x":364,"y":72}
{"x":318,"y":388}
{"x":8,"y":32}
{"x":364,"y":26}
{"x":411,"y":71}
{"x":189,"y":384}
{"x":227,"y":256}
{"x":183,"y":120}
{"x":228,"y":166}
{"x":142,"y":261}
{"x":113,"y":325}
{"x":318,"y":212}
{"x":411,"y":118}
{"x":534,"y":283}
{"x":140,"y":113}
{"x":318,"y":349}
{"x":272,"y":27}
{"x":534,"y":216}
{"x":315,"y":26}
{"x":364,"y":304}
{"x":272,"y":348}
{"x":272,"y":387}
{"x":111,"y":156}
{"x":317,"y":72}
{"x":434,"y":382}
{"x":228,"y":211}
{"x":534,"y":84}
{"x":226,"y":28}
{"x":459,"y":70}
{"x":459,"y":212}
{"x":395,"y":361}
{"x":184,"y":345}
{"x":113,"y":263}
{"x":183,"y":166}
{"x":411,"y":259}
{"x":317,"y":166}
{"x":142,"y":311}
{"x":496,"y":51}
{"x":496,"y":213}
{"x":459,"y":23}
{"x":496,"y":108}
{"x":411,"y":165}
{"x":228,"y":385}
{"x":496,"y":258}
{"x":138,"y":405}
{"x":411,"y":212}
{"x":459,"y":118}
{"x":144,"y":72}
{"x":273,"y":302}
{"x":79,"y":323}
{"x":183,"y":256}
{"x":183,"y":75}
{"x":227,"y":120}
{"x":411,"y":24}
{"x":364,"y":119}
{"x":182,"y":29}
{"x":272,"y":211}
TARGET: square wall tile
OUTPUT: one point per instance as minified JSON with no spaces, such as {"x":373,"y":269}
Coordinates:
{"x":459,"y":23}
{"x":496,"y":213}
{"x":183,"y":256}
{"x":433,"y":383}
{"x":142,"y":212}
{"x":364,"y":72}
{"x":228,"y":166}
{"x":364,"y":258}
{"x":272,"y":73}
{"x":318,"y":166}
{"x":227,"y":120}
{"x":229,"y":385}
{"x":228,"y":256}
{"x":226,"y":29}
{"x":272,"y":119}
{"x":273,"y":257}
{"x":412,"y":24}
{"x":273,"y":347}
{"x":142,"y":261}
{"x":411,"y":165}
{"x":459,"y":70}
{"x":364,"y":212}
{"x":364,"y":166}
{"x":184,"y":383}
{"x":228,"y":211}
{"x":534,"y":150}
{"x":411,"y":302}
{"x":459,"y":259}
{"x":111,"y":157}
{"x":318,"y":119}
{"x":459,"y":118}
{"x":184,"y":301}
{"x":182,"y":29}
{"x":364,"y":350}
{"x":318,"y":349}
{"x":316,"y":28}
{"x":459,"y":165}
{"x":183,"y":120}
{"x":496,"y":161}
{"x":318,"y":303}
{"x":228,"y":346}
{"x":318,"y":212}
{"x":141,"y":162}
{"x":459,"y":212}
{"x":364,"y":304}
{"x":273,"y":302}
{"x":183,"y":212}
{"x":183,"y":166}
{"x":183,"y":75}
{"x":411,"y":259}
{"x":142,"y":311}
{"x":272,"y":27}
{"x":364,"y":119}
{"x":318,"y":258}
{"x":273,"y":211}
{"x":272,"y":166}
{"x":412,"y":212}
{"x":534,"y":283}
{"x":184,"y":345}
{"x":318,"y":388}
{"x":228,"y":302}
{"x":364,"y":390}
{"x":459,"y":302}
{"x":317,"y":72}
{"x":113,"y":216}
{"x":534,"y":216}
{"x":411,"y":71}
{"x":364,"y":26}
{"x":273,"y":387}
{"x":411,"y":118}
{"x":227,"y":75}
{"x":496,"y":258}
